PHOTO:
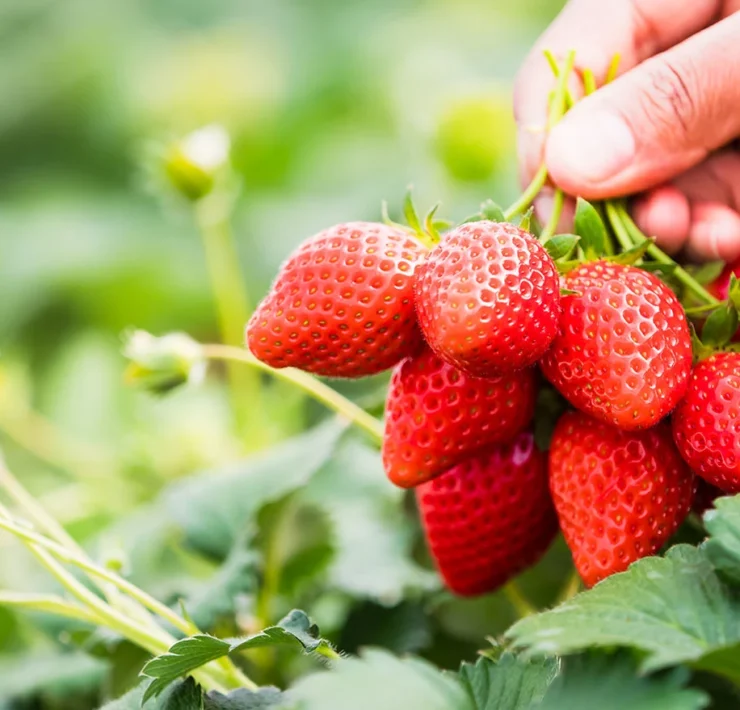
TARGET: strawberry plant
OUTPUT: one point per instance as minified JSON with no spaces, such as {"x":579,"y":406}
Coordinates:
{"x":550,"y":404}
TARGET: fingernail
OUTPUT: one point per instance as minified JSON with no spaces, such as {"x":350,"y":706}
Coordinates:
{"x":588,"y":148}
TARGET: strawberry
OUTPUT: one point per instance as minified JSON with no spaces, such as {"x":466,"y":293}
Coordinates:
{"x":488,"y":298}
{"x":489,"y":517}
{"x":437,"y":415}
{"x":342,"y":304}
{"x":623,"y":352}
{"x":619,"y":495}
{"x":720,"y":287}
{"x":706,"y":424}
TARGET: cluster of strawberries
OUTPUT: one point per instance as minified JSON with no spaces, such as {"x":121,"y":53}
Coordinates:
{"x":471,"y":325}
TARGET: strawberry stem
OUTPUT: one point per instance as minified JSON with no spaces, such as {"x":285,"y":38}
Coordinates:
{"x":527,"y":197}
{"x":557,"y":210}
{"x":558,"y":106}
{"x":637,"y":236}
{"x":620,"y":231}
{"x":308,"y":383}
{"x":518,"y":600}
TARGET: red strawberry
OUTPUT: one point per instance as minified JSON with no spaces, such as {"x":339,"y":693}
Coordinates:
{"x":436,"y":416}
{"x":720,"y":287}
{"x":342,"y":304}
{"x":619,"y":495}
{"x":488,"y":298}
{"x":489,"y":517}
{"x":706,"y":424}
{"x":623,"y":353}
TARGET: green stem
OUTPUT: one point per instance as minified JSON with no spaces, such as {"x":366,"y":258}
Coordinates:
{"x":309,"y":384}
{"x":620,"y":231}
{"x":527,"y":197}
{"x":557,"y":210}
{"x":48,"y":604}
{"x":518,"y":600}
{"x":608,"y":242}
{"x":328,"y":652}
{"x":660,"y":256}
{"x":571,"y":587}
{"x":212,"y":216}
{"x":67,"y":550}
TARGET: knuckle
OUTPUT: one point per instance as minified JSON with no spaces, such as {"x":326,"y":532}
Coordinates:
{"x":668,"y":99}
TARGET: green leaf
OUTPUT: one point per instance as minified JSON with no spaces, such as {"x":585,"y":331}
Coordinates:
{"x":243,"y":699}
{"x":720,"y":326}
{"x":674,"y":609}
{"x":632,"y":256}
{"x":410,"y":213}
{"x":371,"y":534}
{"x":590,"y":228}
{"x":509,"y":684}
{"x":526,"y":221}
{"x":734,"y":291}
{"x":295,"y":629}
{"x":491,"y":211}
{"x":608,"y":683}
{"x":183,"y":657}
{"x":186,"y":695}
{"x":723,"y":546}
{"x":213,"y":508}
{"x":379,"y":680}
{"x":561,"y":246}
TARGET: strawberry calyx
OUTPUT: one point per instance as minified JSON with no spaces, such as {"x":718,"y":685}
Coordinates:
{"x":426,"y":231}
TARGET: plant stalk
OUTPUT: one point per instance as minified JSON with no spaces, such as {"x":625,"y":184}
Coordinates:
{"x":308,"y":383}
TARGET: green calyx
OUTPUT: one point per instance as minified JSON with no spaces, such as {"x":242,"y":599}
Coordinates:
{"x":427,"y":231}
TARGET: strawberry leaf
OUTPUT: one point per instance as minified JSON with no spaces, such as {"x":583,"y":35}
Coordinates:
{"x":734,"y":291}
{"x":410,"y":213}
{"x":510,"y":683}
{"x":491,"y":211}
{"x":612,"y":683}
{"x":183,"y":657}
{"x":590,"y":228}
{"x":632,"y":256}
{"x":379,"y":680}
{"x":720,"y":326}
{"x":243,"y":699}
{"x":674,"y":609}
{"x":723,"y":547}
{"x":561,"y":246}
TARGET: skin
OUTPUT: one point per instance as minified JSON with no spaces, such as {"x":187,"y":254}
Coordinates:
{"x":666,"y":128}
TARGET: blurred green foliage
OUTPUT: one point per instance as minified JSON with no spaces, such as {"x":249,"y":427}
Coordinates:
{"x":332,"y":107}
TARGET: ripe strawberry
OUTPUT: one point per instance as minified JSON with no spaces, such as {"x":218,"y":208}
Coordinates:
{"x":489,"y":517}
{"x":623,"y":353}
{"x":437,"y":415}
{"x":706,"y":424}
{"x":488,"y":298}
{"x":720,"y":287}
{"x":619,"y":495}
{"x":342,"y":304}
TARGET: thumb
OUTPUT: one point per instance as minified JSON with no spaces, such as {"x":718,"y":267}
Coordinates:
{"x":655,"y":121}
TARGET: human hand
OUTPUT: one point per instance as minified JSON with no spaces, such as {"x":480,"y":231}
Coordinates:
{"x":663,"y":128}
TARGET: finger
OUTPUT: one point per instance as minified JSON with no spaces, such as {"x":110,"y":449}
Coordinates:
{"x":714,"y":232}
{"x":654,"y":122}
{"x":635,"y":29}
{"x":717,"y":179}
{"x":664,"y":213}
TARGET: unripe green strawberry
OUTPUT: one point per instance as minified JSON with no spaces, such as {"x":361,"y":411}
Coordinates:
{"x":623,"y":353}
{"x":488,"y":298}
{"x":436,"y":416}
{"x":490,"y":517}
{"x":619,"y":495}
{"x":342,"y":304}
{"x":706,"y":424}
